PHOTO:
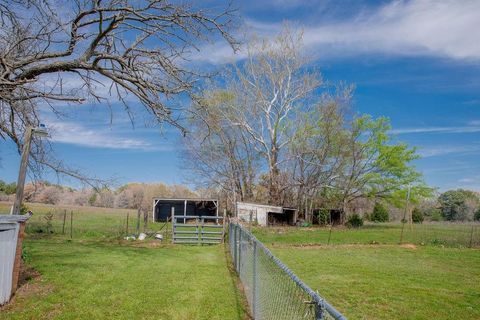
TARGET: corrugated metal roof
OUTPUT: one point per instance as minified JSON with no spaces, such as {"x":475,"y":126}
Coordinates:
{"x":12,"y":218}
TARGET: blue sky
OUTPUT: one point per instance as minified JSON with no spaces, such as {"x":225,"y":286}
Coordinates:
{"x":416,"y":62}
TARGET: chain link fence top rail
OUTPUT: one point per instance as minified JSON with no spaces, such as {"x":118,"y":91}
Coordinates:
{"x":272,"y":290}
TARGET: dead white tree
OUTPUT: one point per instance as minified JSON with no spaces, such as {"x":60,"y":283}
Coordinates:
{"x":271,"y":87}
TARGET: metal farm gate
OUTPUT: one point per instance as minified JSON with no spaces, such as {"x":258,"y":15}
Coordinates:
{"x":197,"y":229}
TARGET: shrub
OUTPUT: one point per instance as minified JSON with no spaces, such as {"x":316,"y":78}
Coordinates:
{"x":476,"y":217}
{"x":436,"y":215}
{"x":379,"y":214}
{"x":23,"y":209}
{"x":417,"y":216}
{"x":323,"y":216}
{"x":354,"y":221}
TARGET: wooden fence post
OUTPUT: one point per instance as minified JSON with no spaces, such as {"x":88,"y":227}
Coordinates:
{"x":138,"y":220}
{"x":126,"y":228}
{"x":223,"y":228}
{"x":71,"y":224}
{"x":471,"y":237}
{"x":173,"y":224}
{"x":64,"y":219}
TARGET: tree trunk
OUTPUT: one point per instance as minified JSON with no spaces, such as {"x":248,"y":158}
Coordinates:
{"x":274,"y":190}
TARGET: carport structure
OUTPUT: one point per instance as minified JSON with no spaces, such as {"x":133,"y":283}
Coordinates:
{"x":200,"y":207}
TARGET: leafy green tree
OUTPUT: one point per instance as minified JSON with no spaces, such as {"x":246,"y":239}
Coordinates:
{"x":476,"y":217}
{"x":458,"y":205}
{"x":376,"y":166}
{"x":8,"y":188}
{"x":380,"y":213}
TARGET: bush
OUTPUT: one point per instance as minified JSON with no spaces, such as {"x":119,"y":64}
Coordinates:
{"x":24,"y":209}
{"x":417,"y":216}
{"x":379,"y":214}
{"x":436,"y":215}
{"x":354,"y":221}
{"x":323,"y":216}
{"x":476,"y":217}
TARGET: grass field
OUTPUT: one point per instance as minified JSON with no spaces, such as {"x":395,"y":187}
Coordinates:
{"x":436,"y":280}
{"x":446,"y":234}
{"x":364,"y":273}
{"x":97,"y":275}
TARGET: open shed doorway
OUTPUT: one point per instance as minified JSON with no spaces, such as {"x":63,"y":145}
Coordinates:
{"x":334,"y":217}
{"x":286,"y":218}
{"x":162,"y":208}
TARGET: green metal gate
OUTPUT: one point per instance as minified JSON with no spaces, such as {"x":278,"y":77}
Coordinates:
{"x":197,"y":229}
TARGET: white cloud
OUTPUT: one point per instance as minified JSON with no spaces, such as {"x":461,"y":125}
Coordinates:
{"x":471,"y":128}
{"x":411,"y":28}
{"x":427,"y":152}
{"x":77,"y":134}
{"x":442,"y":28}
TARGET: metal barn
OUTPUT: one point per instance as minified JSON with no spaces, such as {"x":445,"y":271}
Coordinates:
{"x":11,"y":235}
{"x":266,"y":215}
{"x":162,"y":208}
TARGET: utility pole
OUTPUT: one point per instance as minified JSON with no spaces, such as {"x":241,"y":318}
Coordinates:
{"x":24,"y":164}
{"x":23,"y":171}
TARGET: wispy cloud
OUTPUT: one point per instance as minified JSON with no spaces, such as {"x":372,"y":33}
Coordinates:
{"x":442,"y":150}
{"x":471,"y":128}
{"x":77,"y":134}
{"x":409,"y":28}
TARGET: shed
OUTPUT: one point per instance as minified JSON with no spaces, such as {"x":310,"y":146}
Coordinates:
{"x":12,"y":229}
{"x":162,"y":207}
{"x":266,"y":215}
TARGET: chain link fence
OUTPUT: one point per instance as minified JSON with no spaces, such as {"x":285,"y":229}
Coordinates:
{"x":272,"y":290}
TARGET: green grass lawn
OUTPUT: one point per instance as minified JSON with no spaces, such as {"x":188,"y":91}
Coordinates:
{"x":84,"y":279}
{"x":392,"y":282}
{"x":97,"y":275}
{"x":366,"y":274}
{"x":88,"y":222}
{"x":447,"y":234}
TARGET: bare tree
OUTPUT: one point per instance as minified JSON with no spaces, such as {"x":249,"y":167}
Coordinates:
{"x":217,"y":153}
{"x":55,"y":53}
{"x":273,"y":85}
{"x":262,"y":97}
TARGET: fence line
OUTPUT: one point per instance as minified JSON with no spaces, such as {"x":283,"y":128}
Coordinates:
{"x":273,"y":291}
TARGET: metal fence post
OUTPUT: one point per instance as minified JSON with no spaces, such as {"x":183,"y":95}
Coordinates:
{"x":235,"y":247}
{"x":239,"y":250}
{"x":255,"y":288}
{"x":318,"y":311}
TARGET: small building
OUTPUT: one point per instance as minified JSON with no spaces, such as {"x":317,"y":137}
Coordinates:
{"x":162,"y":207}
{"x":266,"y":215}
{"x":12,"y":229}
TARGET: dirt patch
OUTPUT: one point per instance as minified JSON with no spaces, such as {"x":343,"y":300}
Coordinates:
{"x":27,"y":274}
{"x":409,"y":246}
{"x":30,"y":284}
{"x":307,"y":246}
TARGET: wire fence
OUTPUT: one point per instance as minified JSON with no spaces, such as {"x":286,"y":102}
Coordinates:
{"x":272,"y":290}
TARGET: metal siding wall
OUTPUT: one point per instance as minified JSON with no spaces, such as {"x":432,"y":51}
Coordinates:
{"x":8,"y":245}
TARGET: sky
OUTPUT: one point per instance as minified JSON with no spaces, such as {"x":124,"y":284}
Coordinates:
{"x":416,"y":62}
